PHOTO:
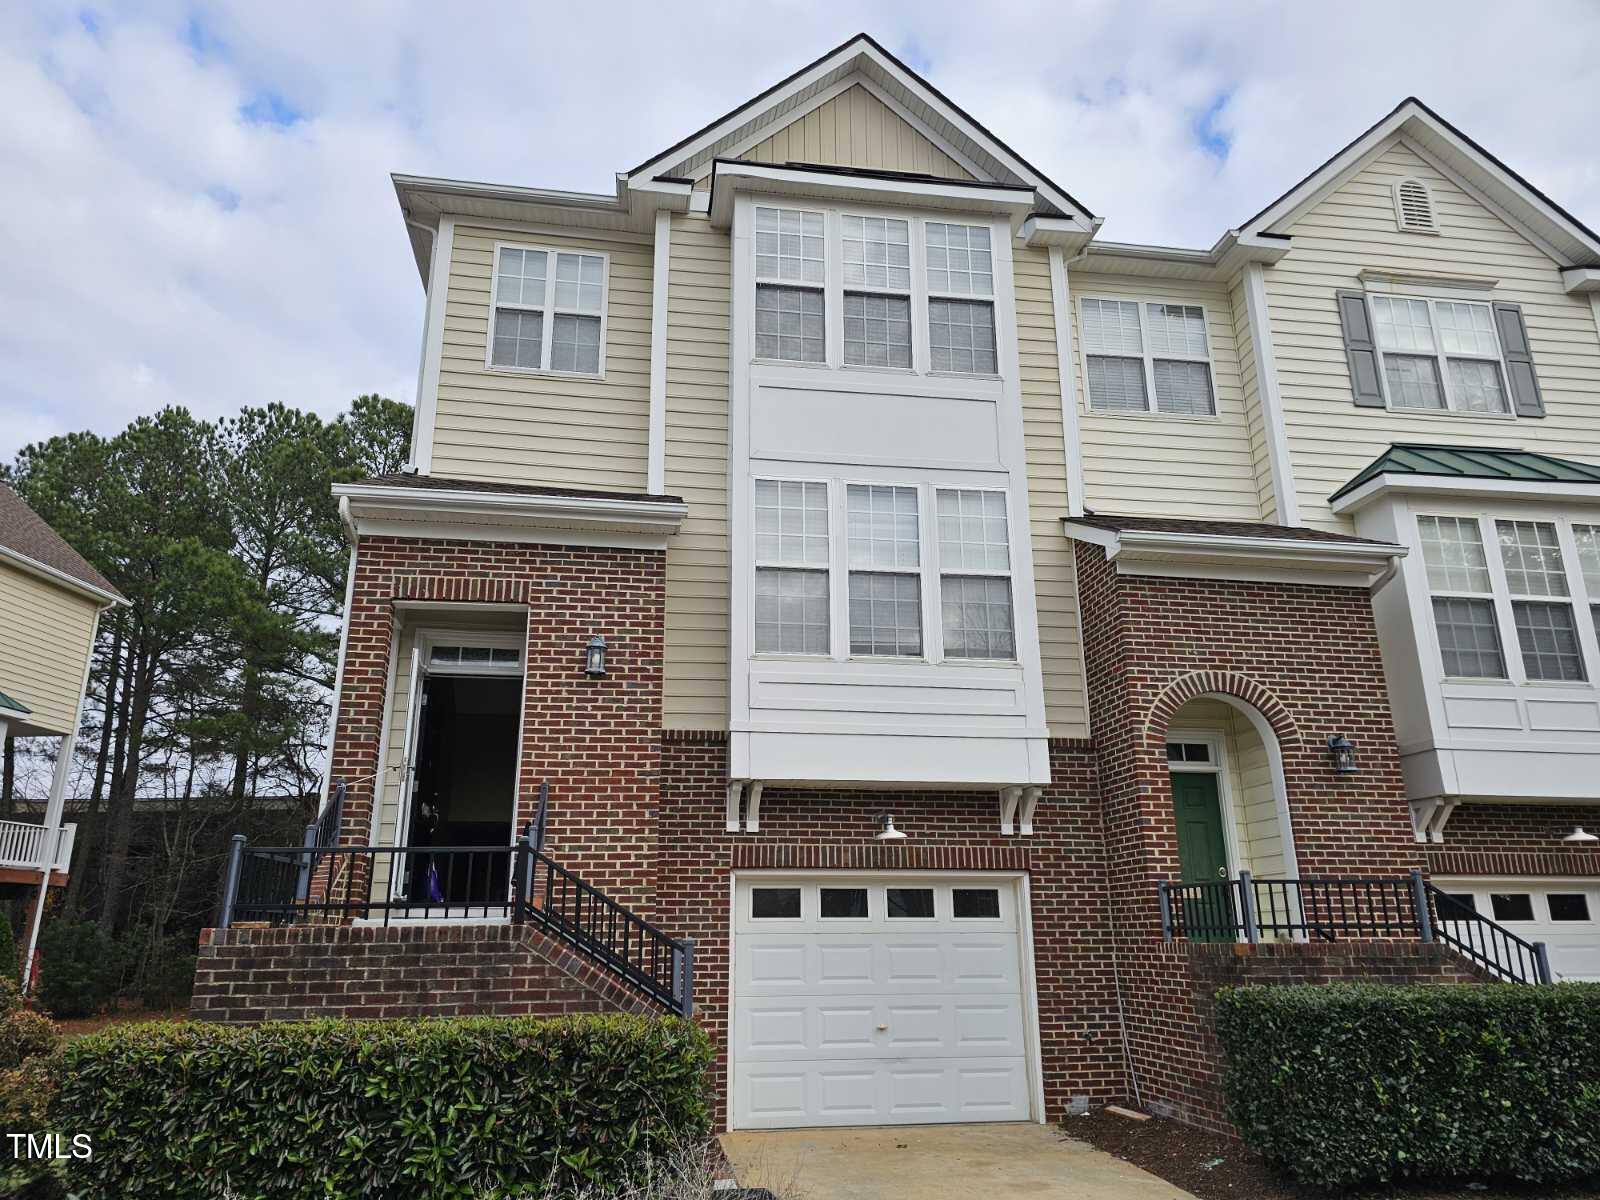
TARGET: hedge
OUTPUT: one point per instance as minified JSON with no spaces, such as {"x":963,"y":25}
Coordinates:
{"x":471,"y":1107}
{"x":1352,"y":1084}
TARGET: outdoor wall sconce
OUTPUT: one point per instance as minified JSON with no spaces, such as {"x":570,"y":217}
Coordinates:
{"x":1580,"y":837}
{"x":594,"y":659}
{"x":1343,"y":753}
{"x":888,"y":833}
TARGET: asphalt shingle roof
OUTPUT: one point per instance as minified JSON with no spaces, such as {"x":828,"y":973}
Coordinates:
{"x":24,"y":532}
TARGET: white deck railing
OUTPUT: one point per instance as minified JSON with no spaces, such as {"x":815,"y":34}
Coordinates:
{"x":30,"y":846}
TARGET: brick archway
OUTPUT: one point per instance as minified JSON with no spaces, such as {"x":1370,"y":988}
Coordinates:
{"x":1222,"y":683}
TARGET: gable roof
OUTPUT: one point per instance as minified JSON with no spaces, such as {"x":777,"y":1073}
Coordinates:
{"x":865,"y":58}
{"x":1472,"y":462}
{"x":33,"y":545}
{"x":1480,"y":172}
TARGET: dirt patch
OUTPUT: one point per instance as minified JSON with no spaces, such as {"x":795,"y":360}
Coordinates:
{"x":79,"y":1026}
{"x":1219,"y":1168}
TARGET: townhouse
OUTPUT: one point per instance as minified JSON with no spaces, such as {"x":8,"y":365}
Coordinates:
{"x":838,"y":594}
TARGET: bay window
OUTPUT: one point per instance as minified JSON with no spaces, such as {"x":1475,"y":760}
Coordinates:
{"x":1439,"y":354}
{"x":960,"y":304}
{"x":1147,"y":356}
{"x":792,"y":552}
{"x":975,"y":574}
{"x":885,"y":570}
{"x":877,"y":297}
{"x":1463,"y":597}
{"x":1546,"y":630}
{"x":1588,"y":540}
{"x":791,"y":317}
{"x":549,"y":310}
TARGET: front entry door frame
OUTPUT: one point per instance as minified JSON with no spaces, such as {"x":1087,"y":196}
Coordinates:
{"x":1217,"y":766}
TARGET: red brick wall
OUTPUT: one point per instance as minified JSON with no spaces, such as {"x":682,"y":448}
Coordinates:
{"x":1082,"y":1051}
{"x":596,"y":741}
{"x":400,"y":971}
{"x":1515,"y":839}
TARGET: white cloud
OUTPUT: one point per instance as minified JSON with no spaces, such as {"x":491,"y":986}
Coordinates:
{"x":162,"y":247}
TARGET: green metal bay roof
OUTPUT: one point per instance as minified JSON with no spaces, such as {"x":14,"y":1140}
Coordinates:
{"x":1472,"y":462}
{"x":14,"y":705}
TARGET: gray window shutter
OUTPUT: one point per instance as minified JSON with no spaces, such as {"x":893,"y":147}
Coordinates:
{"x":1519,"y":360}
{"x":1360,"y":350}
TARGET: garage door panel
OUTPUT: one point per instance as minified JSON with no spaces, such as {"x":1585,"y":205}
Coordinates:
{"x":1573,"y":943}
{"x":870,"y":963}
{"x":825,"y":1027}
{"x":851,"y":1092}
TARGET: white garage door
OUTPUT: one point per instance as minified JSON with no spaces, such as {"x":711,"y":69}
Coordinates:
{"x":1565,"y":916}
{"x":874,"y":1001}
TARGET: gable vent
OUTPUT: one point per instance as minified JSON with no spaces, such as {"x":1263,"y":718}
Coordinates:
{"x":1413,"y":206}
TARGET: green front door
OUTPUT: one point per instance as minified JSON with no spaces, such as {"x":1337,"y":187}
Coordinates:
{"x":1202,"y":856}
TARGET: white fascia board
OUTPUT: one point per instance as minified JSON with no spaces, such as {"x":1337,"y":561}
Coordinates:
{"x":408,"y":187}
{"x":727,"y":178}
{"x":480,"y":514}
{"x":1449,"y":485}
{"x":1578,"y":280}
{"x":55,"y":575}
{"x":1063,"y":232}
{"x":1221,"y":262}
{"x":1184,"y":551}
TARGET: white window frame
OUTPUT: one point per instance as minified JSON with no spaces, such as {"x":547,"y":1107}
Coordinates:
{"x":1149,"y":356}
{"x":833,"y":287}
{"x":427,"y":639}
{"x":1578,"y":596}
{"x":828,"y":570}
{"x":1009,"y":574}
{"x":1441,"y":357}
{"x":920,"y":571}
{"x":549,"y":310}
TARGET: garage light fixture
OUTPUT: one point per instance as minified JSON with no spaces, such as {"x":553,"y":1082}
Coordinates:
{"x":888,"y":833}
{"x":594,"y":660}
{"x":1580,"y":837}
{"x":1343,"y":753}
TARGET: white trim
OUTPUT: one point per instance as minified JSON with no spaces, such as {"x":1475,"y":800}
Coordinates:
{"x":1478,"y":194}
{"x":1578,"y":280}
{"x":656,"y":465}
{"x":842,"y":187}
{"x":375,"y":507}
{"x":1281,"y":465}
{"x":1159,"y":552}
{"x":56,"y":575}
{"x":338,"y":678}
{"x":417,"y":688}
{"x":1436,"y":284}
{"x":1072,"y":440}
{"x":1030,"y":998}
{"x":380,"y":778}
{"x":1453,"y":485}
{"x":428,"y":637}
{"x":548,"y":310}
{"x":1432,"y":297}
{"x":427,"y":399}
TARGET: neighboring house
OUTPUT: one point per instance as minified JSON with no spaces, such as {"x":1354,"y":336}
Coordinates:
{"x":832,"y":481}
{"x":50,"y":605}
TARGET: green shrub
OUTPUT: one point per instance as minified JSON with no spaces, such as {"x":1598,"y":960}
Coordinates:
{"x":78,"y":968}
{"x":10,"y":956}
{"x":24,"y":1034}
{"x":25,"y":1095}
{"x":475,"y":1107}
{"x":168,"y":978}
{"x":1354,"y":1084}
{"x":10,"y":996}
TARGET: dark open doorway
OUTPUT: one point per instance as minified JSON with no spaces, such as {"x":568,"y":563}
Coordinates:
{"x":466,"y":778}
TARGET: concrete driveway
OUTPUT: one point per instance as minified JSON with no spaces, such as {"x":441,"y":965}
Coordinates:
{"x":937,"y":1162}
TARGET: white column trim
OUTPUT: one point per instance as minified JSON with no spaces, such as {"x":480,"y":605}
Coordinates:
{"x":338,"y":678}
{"x":1071,"y":437}
{"x":433,"y":344}
{"x":1270,"y":399}
{"x":656,"y":466}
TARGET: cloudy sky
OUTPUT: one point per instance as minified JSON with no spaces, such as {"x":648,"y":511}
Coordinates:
{"x":199,"y":212}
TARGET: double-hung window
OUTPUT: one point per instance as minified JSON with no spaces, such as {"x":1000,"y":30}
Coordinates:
{"x":791,"y":271}
{"x":1463,"y":597}
{"x":1537,"y":581}
{"x":885,"y":552}
{"x":876,"y":252}
{"x":1588,"y":539}
{"x":1144,"y":356}
{"x":961,"y":336}
{"x":975,"y":574}
{"x":549,"y":308}
{"x":1439,"y":354}
{"x":791,"y":597}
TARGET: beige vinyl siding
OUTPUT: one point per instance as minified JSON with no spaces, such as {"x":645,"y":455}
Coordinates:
{"x":1353,"y":228}
{"x":696,"y":665}
{"x":517,"y":427}
{"x":46,"y":634}
{"x":1249,"y":386}
{"x":394,"y":746}
{"x":856,"y":129}
{"x":1249,"y":780}
{"x":1055,"y":577}
{"x":1151,"y":465}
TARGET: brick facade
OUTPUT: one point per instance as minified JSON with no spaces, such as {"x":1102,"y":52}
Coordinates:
{"x":1515,"y":839}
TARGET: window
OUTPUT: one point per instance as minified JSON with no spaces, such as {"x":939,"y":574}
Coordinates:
{"x":960,"y":272}
{"x":774,"y":904}
{"x":975,"y":574}
{"x":1439,"y":354}
{"x":791,"y":594}
{"x":1588,"y":539}
{"x":1188,"y":752}
{"x":975,"y":904}
{"x":1463,"y":597}
{"x":877,"y":296}
{"x":790,"y":310}
{"x":844,"y":903}
{"x":909,"y":903}
{"x":1134,"y":352}
{"x":885,"y":555}
{"x":1456,"y":905}
{"x":548,"y":310}
{"x":1568,"y":906}
{"x":1511,"y":906}
{"x":1546,"y":630}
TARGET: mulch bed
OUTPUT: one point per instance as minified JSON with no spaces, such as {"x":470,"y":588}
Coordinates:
{"x":1219,"y":1168}
{"x":76,"y":1027}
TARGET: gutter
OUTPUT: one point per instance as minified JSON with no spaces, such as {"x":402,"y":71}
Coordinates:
{"x":106,"y":599}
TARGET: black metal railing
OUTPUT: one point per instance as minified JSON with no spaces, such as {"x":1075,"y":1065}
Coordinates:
{"x":1486,"y":942}
{"x":1245,"y":909}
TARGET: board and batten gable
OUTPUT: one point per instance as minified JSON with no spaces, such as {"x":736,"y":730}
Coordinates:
{"x":509,"y":426}
{"x":1150,"y":464}
{"x":46,"y":634}
{"x":1353,"y":229}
